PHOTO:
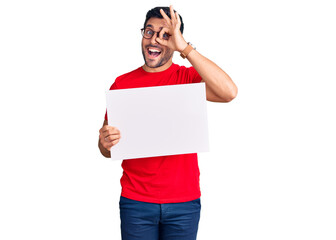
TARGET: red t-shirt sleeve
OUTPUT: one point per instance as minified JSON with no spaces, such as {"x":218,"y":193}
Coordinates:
{"x":114,"y":86}
{"x":193,"y":76}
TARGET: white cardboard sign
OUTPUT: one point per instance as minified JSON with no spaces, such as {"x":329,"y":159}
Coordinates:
{"x":158,"y":121}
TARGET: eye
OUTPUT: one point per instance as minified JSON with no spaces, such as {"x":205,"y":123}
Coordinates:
{"x":165,"y":36}
{"x":149,"y":32}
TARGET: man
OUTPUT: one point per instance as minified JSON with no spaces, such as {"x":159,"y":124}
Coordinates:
{"x":160,"y":196}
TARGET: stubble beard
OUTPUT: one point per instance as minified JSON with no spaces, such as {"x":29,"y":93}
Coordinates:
{"x":162,"y":61}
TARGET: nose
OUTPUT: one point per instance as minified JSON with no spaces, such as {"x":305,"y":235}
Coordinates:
{"x":153,"y":39}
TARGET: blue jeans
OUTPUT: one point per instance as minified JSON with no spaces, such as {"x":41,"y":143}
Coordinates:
{"x":151,"y":221}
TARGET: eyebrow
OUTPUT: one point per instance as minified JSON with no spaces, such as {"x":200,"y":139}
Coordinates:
{"x":151,"y":26}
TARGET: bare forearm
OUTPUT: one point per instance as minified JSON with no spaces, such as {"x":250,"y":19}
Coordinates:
{"x":215,"y":78}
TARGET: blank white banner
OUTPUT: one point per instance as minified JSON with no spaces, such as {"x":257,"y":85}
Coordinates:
{"x":158,"y":121}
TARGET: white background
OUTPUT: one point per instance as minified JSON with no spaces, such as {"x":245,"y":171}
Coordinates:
{"x":270,"y":173}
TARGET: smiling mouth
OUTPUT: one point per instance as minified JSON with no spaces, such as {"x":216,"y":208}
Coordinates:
{"x":153,"y":52}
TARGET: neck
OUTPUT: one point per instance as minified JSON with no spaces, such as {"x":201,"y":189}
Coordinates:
{"x":158,"y":69}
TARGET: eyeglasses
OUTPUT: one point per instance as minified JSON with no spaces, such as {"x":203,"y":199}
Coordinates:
{"x":148,"y":33}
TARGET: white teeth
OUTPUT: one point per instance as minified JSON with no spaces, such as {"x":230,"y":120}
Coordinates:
{"x":153,"y":50}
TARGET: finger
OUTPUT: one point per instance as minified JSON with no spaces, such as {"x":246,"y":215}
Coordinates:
{"x":106,"y":128}
{"x":162,"y":41}
{"x":111,"y":138}
{"x":104,"y":135}
{"x":163,"y":31}
{"x":164,"y":15}
{"x":178,"y":17}
{"x":110,"y":130}
{"x":115,"y":142}
{"x":109,"y":145}
{"x":173,"y":18}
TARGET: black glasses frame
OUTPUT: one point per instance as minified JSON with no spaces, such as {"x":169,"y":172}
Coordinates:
{"x":157,"y":34}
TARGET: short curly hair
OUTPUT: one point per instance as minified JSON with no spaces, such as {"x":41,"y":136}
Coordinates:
{"x":155,"y":13}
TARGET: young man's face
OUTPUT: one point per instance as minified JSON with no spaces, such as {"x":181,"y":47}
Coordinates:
{"x":155,"y":55}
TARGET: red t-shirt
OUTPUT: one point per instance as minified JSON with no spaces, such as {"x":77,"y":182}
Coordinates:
{"x":163,"y":179}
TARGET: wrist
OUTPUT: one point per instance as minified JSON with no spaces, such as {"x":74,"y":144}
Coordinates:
{"x":187,"y":50}
{"x":182,"y":47}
